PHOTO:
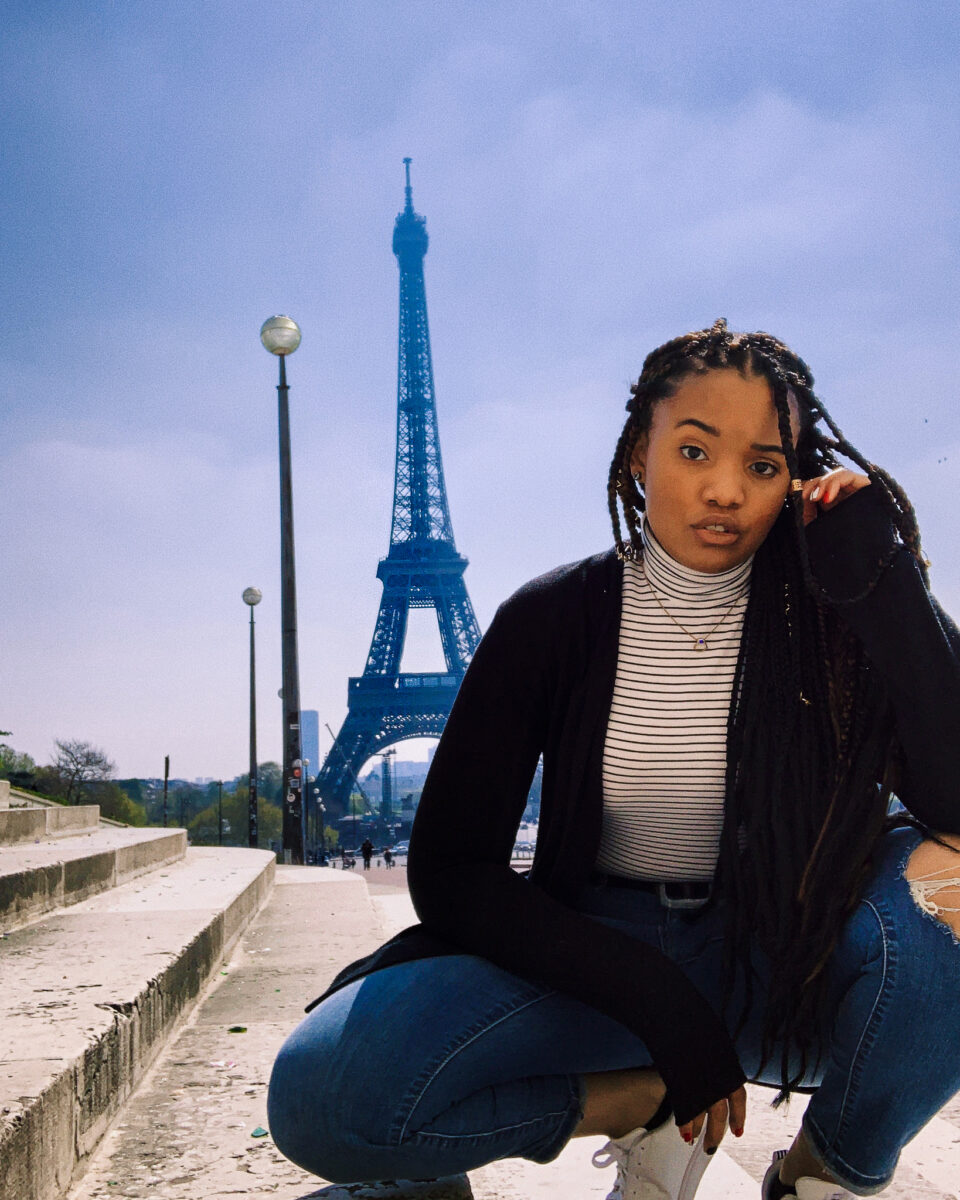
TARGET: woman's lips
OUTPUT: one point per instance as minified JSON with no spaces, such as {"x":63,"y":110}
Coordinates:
{"x":716,"y":537}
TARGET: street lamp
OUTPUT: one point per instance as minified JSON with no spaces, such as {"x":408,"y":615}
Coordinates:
{"x":252,"y":596}
{"x":281,"y":336}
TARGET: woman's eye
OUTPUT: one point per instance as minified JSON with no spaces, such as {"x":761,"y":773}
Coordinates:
{"x":692,"y":452}
{"x":766,"y":469}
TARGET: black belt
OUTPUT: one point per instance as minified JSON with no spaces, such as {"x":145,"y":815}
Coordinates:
{"x":672,"y":893}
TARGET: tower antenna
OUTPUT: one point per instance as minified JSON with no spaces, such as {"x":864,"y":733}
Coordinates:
{"x":408,"y":190}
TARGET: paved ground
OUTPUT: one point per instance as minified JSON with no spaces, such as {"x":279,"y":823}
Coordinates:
{"x":380,"y":878}
{"x":192,"y":1131}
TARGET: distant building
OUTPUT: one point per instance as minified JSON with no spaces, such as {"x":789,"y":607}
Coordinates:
{"x":310,"y":739}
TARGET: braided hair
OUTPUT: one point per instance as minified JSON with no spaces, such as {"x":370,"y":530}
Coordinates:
{"x":812,"y":758}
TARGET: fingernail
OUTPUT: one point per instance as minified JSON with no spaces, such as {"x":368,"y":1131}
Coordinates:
{"x":712,"y":1150}
{"x":687,"y":1137}
{"x":815,"y":494}
{"x":738,"y":1132}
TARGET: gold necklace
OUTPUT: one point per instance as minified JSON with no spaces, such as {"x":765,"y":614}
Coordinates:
{"x":699,"y":643}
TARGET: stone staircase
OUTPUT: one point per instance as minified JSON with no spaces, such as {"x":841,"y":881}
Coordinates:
{"x":108,"y":935}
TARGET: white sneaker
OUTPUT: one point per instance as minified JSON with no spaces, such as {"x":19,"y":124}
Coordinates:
{"x":655,"y":1164}
{"x":806,"y":1188}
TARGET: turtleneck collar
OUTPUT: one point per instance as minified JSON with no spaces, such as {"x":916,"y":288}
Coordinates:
{"x":673,"y":579}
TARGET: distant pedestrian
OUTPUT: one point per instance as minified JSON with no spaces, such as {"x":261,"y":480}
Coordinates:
{"x":367,"y":851}
{"x":388,"y":857}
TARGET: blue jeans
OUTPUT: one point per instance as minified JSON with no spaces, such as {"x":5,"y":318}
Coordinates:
{"x":439,"y":1066}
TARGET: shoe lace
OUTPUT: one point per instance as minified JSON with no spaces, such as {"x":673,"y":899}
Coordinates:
{"x":612,"y":1153}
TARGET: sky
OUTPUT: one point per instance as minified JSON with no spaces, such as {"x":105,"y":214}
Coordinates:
{"x":596,"y":179}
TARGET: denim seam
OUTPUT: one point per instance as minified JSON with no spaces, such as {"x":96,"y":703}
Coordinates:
{"x":868,"y":1034}
{"x":816,"y":1136}
{"x":572,"y":1118}
{"x":421,"y":1084}
{"x":825,"y":1148}
{"x":487,"y":1133}
{"x":549,"y":1146}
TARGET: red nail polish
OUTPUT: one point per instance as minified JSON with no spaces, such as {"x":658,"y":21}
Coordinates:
{"x":738,"y":1132}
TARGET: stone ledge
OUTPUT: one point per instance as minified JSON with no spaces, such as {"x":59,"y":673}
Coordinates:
{"x":92,"y":993}
{"x":19,"y":825}
{"x":38,"y":878}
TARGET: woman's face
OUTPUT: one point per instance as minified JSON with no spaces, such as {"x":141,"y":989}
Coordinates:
{"x":712,"y":469}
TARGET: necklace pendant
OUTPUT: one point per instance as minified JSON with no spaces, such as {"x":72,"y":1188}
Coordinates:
{"x":700,"y":644}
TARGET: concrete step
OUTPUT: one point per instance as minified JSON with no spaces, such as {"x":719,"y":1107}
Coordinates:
{"x":89,"y":996}
{"x":19,"y":825}
{"x":188,"y":1133}
{"x":38,"y":877}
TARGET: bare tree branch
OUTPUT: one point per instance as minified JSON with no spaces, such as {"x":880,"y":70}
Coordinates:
{"x":78,"y":763}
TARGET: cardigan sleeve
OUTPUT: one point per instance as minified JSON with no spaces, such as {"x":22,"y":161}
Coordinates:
{"x":909,"y":639}
{"x":465,"y":891}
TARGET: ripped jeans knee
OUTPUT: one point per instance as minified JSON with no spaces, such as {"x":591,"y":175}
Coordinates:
{"x":933,"y":875}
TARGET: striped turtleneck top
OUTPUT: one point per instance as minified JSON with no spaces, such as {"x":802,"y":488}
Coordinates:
{"x":664,"y":758}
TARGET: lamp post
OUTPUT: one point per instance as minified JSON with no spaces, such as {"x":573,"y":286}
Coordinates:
{"x":308,"y":840}
{"x":220,"y":809}
{"x":281,"y":336}
{"x":252,"y":596}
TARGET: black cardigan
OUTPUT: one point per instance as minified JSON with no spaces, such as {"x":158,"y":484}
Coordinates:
{"x":541,"y":682}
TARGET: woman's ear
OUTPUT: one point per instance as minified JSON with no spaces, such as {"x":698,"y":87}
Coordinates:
{"x":638,"y":459}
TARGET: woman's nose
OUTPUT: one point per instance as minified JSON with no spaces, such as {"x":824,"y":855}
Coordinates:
{"x":724,"y":488}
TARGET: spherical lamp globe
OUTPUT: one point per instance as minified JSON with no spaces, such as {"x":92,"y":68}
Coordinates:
{"x":280,"y":335}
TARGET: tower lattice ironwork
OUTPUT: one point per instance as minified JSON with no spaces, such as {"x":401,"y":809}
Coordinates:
{"x":422,"y":568}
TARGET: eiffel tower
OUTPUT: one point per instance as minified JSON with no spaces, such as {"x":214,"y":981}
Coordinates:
{"x":422,"y":568}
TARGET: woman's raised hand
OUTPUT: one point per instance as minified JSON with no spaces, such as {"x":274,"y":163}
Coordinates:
{"x":732,"y":1111}
{"x":827,"y":491}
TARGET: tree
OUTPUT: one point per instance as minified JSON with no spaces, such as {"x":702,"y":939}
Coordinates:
{"x":115,"y":803}
{"x":269,"y":781}
{"x":13,"y":762}
{"x":357,"y":805}
{"x":78,"y":764}
{"x":134,"y":789}
{"x":184,"y":801}
{"x":203,"y":827}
